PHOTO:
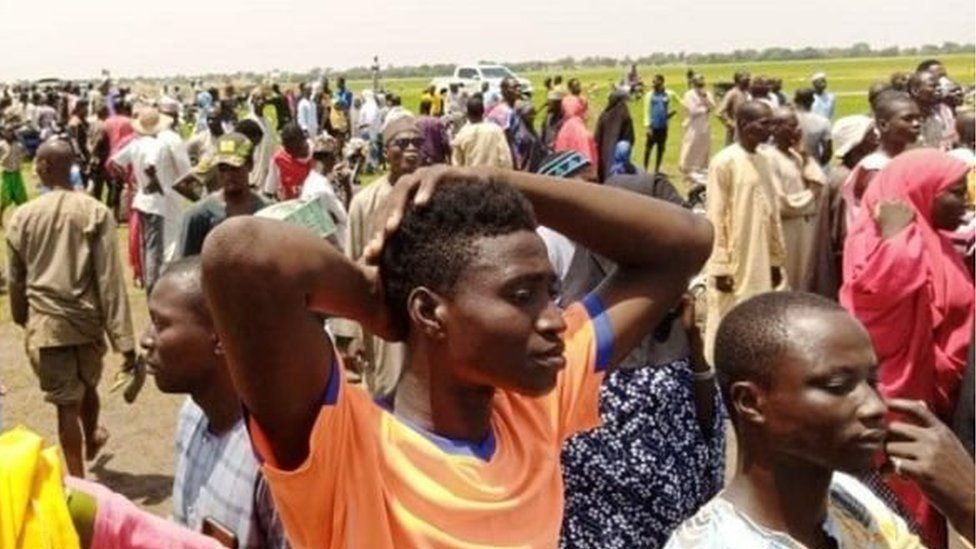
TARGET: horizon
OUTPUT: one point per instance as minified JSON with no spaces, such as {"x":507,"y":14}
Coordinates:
{"x":180,"y":38}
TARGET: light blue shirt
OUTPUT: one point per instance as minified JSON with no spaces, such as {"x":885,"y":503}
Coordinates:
{"x":824,"y":104}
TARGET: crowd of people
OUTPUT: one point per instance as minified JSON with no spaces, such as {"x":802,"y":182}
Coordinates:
{"x":514,"y":335}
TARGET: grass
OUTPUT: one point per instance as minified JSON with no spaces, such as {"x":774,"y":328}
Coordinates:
{"x":848,"y":78}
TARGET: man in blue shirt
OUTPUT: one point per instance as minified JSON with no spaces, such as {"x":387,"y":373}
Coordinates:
{"x":824,"y":102}
{"x":657,"y":113}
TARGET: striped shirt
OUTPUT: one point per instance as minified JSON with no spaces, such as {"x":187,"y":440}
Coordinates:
{"x":217,"y":477}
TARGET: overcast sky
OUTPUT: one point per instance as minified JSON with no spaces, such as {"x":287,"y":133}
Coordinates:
{"x":77,"y":39}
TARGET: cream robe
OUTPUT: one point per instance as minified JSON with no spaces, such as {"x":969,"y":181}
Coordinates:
{"x":793,"y":180}
{"x":741,"y":205}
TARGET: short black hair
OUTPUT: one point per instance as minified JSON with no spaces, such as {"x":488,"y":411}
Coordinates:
{"x":425,"y":106}
{"x":476,"y":106}
{"x":756,"y":334}
{"x":251,"y":129}
{"x":292,"y":132}
{"x":190,"y":274}
{"x":927,"y":65}
{"x":434,"y":243}
{"x":804,"y":97}
{"x":884,"y":103}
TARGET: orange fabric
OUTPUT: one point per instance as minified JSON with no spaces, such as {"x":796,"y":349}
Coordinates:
{"x":372,"y":480}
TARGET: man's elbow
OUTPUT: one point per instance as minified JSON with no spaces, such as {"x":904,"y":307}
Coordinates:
{"x":238,"y":247}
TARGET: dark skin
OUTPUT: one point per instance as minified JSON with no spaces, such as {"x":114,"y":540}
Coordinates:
{"x":896,"y":131}
{"x":77,"y":421}
{"x":754,"y":122}
{"x":280,"y":361}
{"x":820,"y":412}
{"x":819,"y":85}
{"x":929,"y":454}
{"x":510,"y":91}
{"x":924,"y":88}
{"x":402,"y":155}
{"x":183,"y":353}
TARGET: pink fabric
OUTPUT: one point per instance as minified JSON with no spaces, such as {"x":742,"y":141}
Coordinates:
{"x":135,"y":258}
{"x":915,"y":297}
{"x":574,"y":104}
{"x":912,"y":291}
{"x":119,"y":524}
{"x":119,"y":130}
{"x":573,"y":135}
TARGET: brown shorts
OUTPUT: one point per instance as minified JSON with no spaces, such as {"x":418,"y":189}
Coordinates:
{"x":65,"y":372}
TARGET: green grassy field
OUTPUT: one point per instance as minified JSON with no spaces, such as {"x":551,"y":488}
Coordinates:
{"x":848,"y":78}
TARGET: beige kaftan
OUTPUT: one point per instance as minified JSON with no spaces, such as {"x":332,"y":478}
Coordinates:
{"x":793,"y":178}
{"x":748,"y":237}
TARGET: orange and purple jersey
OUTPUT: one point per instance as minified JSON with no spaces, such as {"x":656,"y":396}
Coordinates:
{"x":372,"y":479}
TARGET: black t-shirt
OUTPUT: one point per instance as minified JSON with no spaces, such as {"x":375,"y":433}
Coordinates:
{"x":206,"y":214}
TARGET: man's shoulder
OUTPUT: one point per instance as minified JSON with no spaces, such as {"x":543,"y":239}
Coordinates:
{"x":727,"y":155}
{"x":716,"y":525}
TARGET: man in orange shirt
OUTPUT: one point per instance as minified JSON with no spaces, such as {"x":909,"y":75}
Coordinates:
{"x":466,"y":451}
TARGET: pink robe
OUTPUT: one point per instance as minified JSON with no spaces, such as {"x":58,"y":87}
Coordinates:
{"x":915,"y":297}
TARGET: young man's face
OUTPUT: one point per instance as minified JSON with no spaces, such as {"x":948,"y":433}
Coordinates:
{"x":925,"y":89}
{"x":574,"y":87}
{"x":821,"y":405}
{"x":819,"y":85}
{"x":658,"y":83}
{"x":233,"y":180}
{"x":904,"y":124}
{"x":503,"y":328}
{"x":179,"y":343}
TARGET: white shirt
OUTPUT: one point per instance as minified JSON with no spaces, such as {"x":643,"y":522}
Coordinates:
{"x":308,"y":117}
{"x":318,"y":187}
{"x":167,"y":154}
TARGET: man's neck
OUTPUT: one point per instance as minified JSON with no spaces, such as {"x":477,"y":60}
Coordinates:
{"x":218,"y":403}
{"x":440,"y":405}
{"x":892,"y":148}
{"x":783,"y":495}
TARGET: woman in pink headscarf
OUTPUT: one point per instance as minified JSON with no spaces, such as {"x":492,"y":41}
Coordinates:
{"x":910,"y":288}
{"x":573,"y":135}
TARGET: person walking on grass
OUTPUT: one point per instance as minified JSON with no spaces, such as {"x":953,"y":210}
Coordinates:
{"x":66,"y":289}
{"x":658,"y":110}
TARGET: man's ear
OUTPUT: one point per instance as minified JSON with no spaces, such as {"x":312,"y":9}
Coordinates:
{"x":218,"y":347}
{"x":748,"y":401}
{"x":426,"y":310}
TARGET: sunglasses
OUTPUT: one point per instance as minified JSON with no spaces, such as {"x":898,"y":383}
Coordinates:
{"x":404,"y":142}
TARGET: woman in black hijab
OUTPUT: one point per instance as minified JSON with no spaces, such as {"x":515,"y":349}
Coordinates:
{"x":614,"y":124}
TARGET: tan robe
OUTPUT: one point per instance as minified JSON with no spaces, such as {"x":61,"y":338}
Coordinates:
{"x":696,"y":143}
{"x":384,"y":360}
{"x":748,"y":237}
{"x":793,"y":177}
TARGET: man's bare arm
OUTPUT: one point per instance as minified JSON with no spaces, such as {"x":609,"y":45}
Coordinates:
{"x":263,"y":280}
{"x":656,"y":245}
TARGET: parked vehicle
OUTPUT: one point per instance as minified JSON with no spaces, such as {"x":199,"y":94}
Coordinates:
{"x":474,"y":77}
